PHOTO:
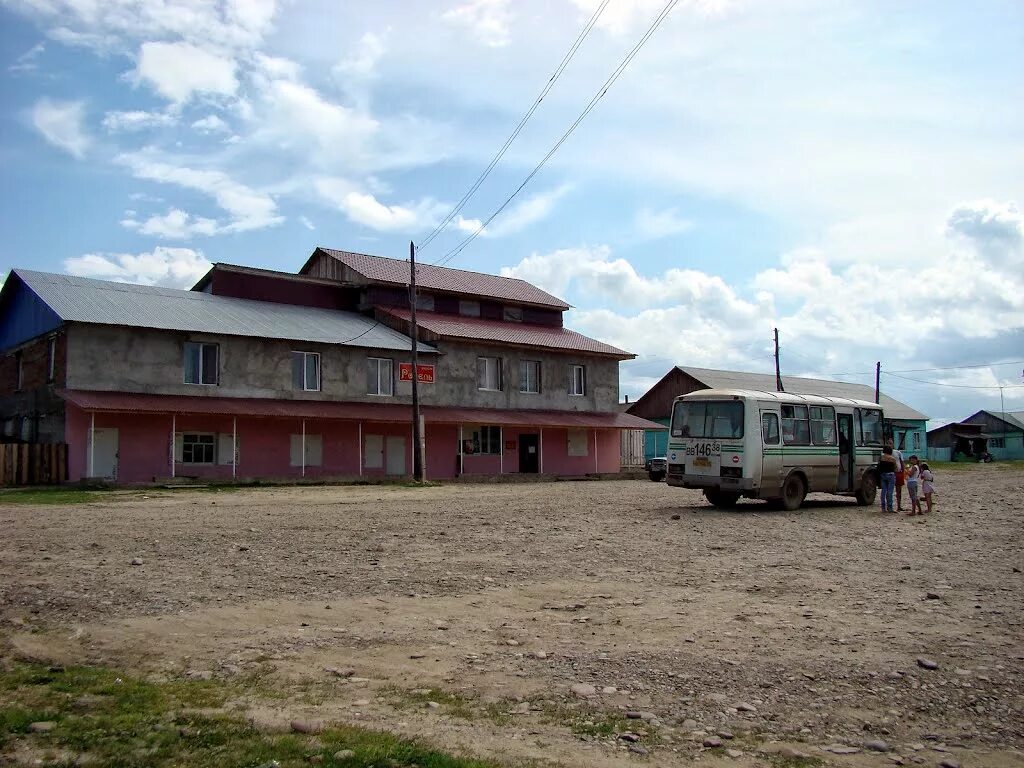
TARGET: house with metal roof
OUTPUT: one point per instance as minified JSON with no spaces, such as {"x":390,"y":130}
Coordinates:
{"x":256,"y":373}
{"x":906,"y":425}
{"x":999,"y":433}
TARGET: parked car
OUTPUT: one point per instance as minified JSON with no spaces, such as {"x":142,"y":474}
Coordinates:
{"x":656,"y":468}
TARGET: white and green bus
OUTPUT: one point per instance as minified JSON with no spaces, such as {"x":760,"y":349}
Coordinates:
{"x":734,"y":443}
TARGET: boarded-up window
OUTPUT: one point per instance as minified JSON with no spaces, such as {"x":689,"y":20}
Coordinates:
{"x":314,"y":451}
{"x":578,"y":444}
{"x":224,"y":445}
{"x":373,"y":452}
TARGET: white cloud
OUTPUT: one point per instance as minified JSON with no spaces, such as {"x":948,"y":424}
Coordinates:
{"x":276,"y":67}
{"x":28,"y":61}
{"x":211,"y":124}
{"x":487,"y":20}
{"x":178,"y":70}
{"x":60,"y":123}
{"x":988,"y":224}
{"x":519,"y":216}
{"x":168,"y":267}
{"x":174,"y":225}
{"x":136,"y":120}
{"x":365,"y":209}
{"x":107,"y":25}
{"x":653,"y":225}
{"x":249,"y":208}
{"x":362,"y":62}
{"x":307,"y":223}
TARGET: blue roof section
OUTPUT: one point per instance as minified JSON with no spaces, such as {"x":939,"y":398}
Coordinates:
{"x":99,"y":302}
{"x":23,"y":315}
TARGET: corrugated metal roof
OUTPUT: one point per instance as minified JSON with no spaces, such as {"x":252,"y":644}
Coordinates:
{"x":501,"y":332}
{"x":765,"y":382}
{"x":84,"y":300}
{"x":133,"y":402}
{"x":396,"y":271}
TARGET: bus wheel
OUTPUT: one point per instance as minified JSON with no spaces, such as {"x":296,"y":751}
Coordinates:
{"x":865,"y":495}
{"x":720,"y":498}
{"x":793,"y":493}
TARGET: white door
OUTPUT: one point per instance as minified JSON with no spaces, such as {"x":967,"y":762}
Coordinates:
{"x":396,"y":455}
{"x":104,"y":461}
{"x":373,"y":452}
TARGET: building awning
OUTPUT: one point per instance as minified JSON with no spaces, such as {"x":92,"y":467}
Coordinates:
{"x":135,"y":402}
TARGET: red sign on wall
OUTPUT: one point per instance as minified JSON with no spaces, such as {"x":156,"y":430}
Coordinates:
{"x":425,"y":373}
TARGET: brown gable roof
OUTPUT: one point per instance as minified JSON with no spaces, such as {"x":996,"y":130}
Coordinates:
{"x":379,"y":269}
{"x":500,"y":332}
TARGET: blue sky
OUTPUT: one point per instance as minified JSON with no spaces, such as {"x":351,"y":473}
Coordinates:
{"x":851,"y":173}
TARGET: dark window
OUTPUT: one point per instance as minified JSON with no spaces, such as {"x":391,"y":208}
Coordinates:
{"x":380,"y":376}
{"x":197,"y":448}
{"x":513,"y":314}
{"x":19,"y":373}
{"x":201,"y":363}
{"x":577,"y":380}
{"x":795,"y":426}
{"x":487,"y":440}
{"x":770,"y":428}
{"x":707,"y":418}
{"x":306,"y":371}
{"x":51,"y":358}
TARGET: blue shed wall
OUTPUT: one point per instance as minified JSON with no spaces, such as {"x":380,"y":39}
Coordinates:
{"x":23,"y":315}
{"x":656,"y":440}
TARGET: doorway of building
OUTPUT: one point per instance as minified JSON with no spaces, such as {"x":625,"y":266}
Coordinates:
{"x":395,"y":455}
{"x":103,"y":462}
{"x":529,"y":454}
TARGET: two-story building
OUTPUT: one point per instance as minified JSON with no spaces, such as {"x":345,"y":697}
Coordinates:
{"x":263,"y":374}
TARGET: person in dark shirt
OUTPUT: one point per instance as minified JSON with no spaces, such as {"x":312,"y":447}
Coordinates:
{"x":887,"y":467}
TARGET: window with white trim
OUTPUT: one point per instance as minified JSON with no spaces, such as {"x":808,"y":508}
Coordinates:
{"x":198,"y":447}
{"x":488,"y":373}
{"x":306,"y":371}
{"x":484,"y":440}
{"x":577,"y":380}
{"x":380,"y":376}
{"x":201,"y":363}
{"x":529,"y":376}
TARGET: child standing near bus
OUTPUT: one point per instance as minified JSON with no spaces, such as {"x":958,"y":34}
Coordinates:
{"x":913,"y":478}
{"x":927,"y":485}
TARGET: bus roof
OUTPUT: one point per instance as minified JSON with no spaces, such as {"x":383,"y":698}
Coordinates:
{"x":779,"y":397}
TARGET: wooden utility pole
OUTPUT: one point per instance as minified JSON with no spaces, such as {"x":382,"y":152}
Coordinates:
{"x":417,"y":433}
{"x":778,"y":369}
{"x":878,"y":381}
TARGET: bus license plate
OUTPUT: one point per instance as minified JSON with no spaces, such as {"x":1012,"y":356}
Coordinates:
{"x":702,"y":461}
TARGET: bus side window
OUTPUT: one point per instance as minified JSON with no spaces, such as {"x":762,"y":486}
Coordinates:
{"x":770,"y":428}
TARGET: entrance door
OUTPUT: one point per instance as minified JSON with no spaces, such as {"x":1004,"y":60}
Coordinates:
{"x":529,"y":454}
{"x":104,"y":461}
{"x":771,"y":454}
{"x":395,"y":455}
{"x":846,"y":452}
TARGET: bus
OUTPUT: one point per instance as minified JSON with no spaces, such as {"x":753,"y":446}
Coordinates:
{"x":734,"y":443}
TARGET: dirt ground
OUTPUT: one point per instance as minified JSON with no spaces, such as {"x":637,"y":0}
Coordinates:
{"x":774,"y":634}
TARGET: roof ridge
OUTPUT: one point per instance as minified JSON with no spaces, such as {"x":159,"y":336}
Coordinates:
{"x":433,"y":266}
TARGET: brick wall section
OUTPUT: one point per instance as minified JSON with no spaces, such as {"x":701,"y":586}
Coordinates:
{"x":34,"y":413}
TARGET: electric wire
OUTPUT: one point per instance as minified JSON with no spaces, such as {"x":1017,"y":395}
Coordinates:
{"x":518,"y":129}
{"x":616,"y":73}
{"x":956,"y":386}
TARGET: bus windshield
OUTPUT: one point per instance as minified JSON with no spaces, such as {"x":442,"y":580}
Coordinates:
{"x":707,"y":418}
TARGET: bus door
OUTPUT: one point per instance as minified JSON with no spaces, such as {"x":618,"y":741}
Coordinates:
{"x":771,"y":453}
{"x":847,"y":452}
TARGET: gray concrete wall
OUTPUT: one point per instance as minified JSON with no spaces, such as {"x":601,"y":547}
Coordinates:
{"x":151,"y":361}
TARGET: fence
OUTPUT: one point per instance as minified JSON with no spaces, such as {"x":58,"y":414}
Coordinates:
{"x":632,"y":448}
{"x":33,"y":464}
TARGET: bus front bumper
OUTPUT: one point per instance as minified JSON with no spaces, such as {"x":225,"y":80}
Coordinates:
{"x":738,"y":484}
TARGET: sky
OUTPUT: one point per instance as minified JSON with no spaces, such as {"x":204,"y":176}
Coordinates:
{"x":851,"y":173}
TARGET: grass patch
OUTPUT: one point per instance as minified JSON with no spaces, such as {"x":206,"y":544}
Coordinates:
{"x":52,"y":496}
{"x":782,"y":761}
{"x":125,"y":722}
{"x":453,"y":704}
{"x":598,"y":724}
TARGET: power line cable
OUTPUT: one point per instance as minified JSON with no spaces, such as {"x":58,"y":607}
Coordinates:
{"x":616,"y":73}
{"x":956,"y":386}
{"x":518,"y":129}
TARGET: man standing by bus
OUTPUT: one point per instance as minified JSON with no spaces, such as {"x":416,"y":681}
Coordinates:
{"x":901,"y":475}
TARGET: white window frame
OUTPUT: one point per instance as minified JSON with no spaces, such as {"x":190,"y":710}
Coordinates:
{"x":490,"y":365}
{"x":582,"y":389}
{"x":376,"y":361}
{"x":319,"y":372}
{"x":51,"y":358}
{"x":484,"y":438}
{"x":525,"y":365}
{"x":212,"y":443}
{"x":201,"y":369}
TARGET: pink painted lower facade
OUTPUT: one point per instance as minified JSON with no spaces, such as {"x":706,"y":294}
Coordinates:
{"x":146,"y":447}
